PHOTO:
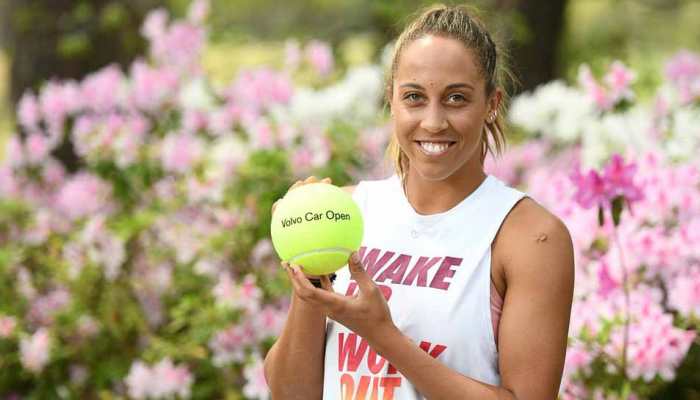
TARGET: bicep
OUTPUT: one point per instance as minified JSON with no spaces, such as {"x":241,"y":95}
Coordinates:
{"x":534,"y":324}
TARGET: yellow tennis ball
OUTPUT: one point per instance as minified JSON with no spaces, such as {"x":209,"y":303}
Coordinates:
{"x":317,"y":226}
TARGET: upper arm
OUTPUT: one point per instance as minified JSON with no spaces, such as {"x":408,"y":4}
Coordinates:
{"x":534,"y":323}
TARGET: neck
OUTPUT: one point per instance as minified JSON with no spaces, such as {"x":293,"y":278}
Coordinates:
{"x":436,"y":196}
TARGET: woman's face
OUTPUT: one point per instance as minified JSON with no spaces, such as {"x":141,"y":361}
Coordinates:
{"x":439,"y":108}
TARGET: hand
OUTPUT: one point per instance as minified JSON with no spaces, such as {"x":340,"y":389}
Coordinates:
{"x":311,"y":179}
{"x":367,"y":313}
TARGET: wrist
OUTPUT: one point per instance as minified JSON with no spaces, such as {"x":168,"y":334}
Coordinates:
{"x":385,"y":338}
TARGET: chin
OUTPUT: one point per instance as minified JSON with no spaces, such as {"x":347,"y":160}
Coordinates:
{"x":434,"y":174}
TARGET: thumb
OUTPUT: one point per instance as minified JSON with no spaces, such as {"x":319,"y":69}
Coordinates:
{"x":358,"y":273}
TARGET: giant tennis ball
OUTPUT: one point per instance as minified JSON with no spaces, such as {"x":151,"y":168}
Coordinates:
{"x":317,"y":226}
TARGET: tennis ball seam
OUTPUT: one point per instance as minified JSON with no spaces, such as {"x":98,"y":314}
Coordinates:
{"x":317,"y":251}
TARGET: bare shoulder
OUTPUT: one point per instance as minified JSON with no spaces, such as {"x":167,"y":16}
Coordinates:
{"x":538,"y":267}
{"x":530,"y":235}
{"x":349,"y":189}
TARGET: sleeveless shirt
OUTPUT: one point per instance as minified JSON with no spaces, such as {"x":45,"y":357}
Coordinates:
{"x":435,"y":272}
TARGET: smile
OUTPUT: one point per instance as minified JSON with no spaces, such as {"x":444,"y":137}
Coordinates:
{"x":434,"y":148}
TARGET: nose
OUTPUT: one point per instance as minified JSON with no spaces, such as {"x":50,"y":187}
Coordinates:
{"x":434,"y":120}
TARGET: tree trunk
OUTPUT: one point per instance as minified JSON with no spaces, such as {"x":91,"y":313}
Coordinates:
{"x":63,"y":39}
{"x":535,"y":49}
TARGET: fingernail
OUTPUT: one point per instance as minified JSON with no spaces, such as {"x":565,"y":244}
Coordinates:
{"x":355,"y":258}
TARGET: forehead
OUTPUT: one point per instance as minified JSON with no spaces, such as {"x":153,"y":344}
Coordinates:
{"x":434,"y":60}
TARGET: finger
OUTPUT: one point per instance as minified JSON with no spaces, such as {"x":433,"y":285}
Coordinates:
{"x":328,"y":299}
{"x":300,"y":283}
{"x":326,"y":283}
{"x":326,"y":180}
{"x":358,"y":273}
{"x":311,"y":179}
{"x":295,"y":185}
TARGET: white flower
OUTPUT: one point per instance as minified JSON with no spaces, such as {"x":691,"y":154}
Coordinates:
{"x":35,"y":350}
{"x":195,"y":95}
{"x":358,"y":94}
{"x":256,"y":385}
{"x":554,"y":110}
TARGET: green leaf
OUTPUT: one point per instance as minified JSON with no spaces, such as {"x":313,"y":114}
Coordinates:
{"x":617,"y":205}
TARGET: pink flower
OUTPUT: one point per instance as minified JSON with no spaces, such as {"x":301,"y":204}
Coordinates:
{"x":257,"y":90}
{"x":261,"y":135}
{"x":82,"y":195}
{"x":155,"y":23}
{"x":180,"y":46}
{"x":35,"y":350}
{"x":620,"y":178}
{"x":262,"y":251}
{"x":229,"y":345}
{"x":256,"y":384}
{"x":7,"y":326}
{"x":619,"y":78}
{"x":102,"y":90}
{"x":314,"y":153}
{"x":139,"y":380}
{"x":151,"y":87}
{"x":684,"y":293}
{"x":246,"y":295}
{"x":320,"y":56}
{"x":269,"y":321}
{"x":44,"y":308}
{"x":58,"y":100}
{"x":606,"y":282}
{"x":617,"y":179}
{"x":181,"y":151}
{"x":28,"y":112}
{"x":592,"y":189}
{"x":683,"y":70}
{"x":595,"y":91}
{"x":130,"y":140}
{"x":170,"y":380}
{"x":37,"y":148}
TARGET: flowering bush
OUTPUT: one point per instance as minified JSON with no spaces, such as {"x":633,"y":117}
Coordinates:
{"x":634,"y":218}
{"x":148,"y":273}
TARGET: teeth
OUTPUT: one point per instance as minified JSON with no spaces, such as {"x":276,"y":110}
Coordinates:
{"x":434,"y":148}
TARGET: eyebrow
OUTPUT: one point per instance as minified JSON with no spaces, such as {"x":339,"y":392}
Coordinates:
{"x":450,"y":86}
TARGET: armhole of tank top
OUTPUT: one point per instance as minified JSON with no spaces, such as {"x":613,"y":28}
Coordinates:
{"x":518,"y":196}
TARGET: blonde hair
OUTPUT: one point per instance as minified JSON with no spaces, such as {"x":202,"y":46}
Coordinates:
{"x":460,"y":23}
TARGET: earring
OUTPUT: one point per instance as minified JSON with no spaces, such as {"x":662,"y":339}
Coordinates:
{"x":492,"y":117}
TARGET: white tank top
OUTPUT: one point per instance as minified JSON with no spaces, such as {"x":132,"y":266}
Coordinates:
{"x":435,"y":271}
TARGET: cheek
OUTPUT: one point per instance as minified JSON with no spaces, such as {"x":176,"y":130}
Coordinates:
{"x":466,"y":123}
{"x":404,"y":121}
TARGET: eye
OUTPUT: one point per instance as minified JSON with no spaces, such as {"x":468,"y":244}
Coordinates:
{"x":412,"y":97}
{"x":456,"y":98}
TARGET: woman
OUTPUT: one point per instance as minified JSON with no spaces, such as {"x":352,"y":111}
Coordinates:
{"x":463,"y":286}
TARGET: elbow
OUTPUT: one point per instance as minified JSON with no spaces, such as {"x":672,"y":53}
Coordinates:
{"x":505,"y":394}
{"x":267,"y":368}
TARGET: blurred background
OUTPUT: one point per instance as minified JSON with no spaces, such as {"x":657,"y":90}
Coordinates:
{"x":41,"y":40}
{"x":142,"y":143}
